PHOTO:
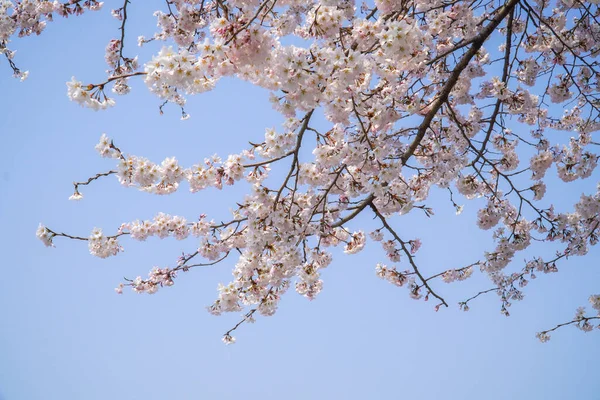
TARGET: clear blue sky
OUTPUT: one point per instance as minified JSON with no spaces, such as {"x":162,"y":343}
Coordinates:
{"x":66,"y":335}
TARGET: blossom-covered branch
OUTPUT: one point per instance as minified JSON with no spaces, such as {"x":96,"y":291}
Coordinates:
{"x":465,"y":96}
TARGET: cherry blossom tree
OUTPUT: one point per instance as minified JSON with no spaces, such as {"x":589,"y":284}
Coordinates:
{"x":467,"y":96}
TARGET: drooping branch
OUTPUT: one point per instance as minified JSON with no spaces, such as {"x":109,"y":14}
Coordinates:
{"x":408,"y":254}
{"x":581,"y":322}
{"x":90,"y":180}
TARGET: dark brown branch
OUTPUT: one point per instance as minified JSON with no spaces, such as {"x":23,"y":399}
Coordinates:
{"x":91,"y":179}
{"x":122,"y":29}
{"x":453,"y":78}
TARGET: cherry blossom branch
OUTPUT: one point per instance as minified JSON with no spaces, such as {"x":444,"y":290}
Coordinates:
{"x":88,"y":181}
{"x":408,"y":254}
{"x":457,"y":270}
{"x":305,"y":122}
{"x":53,"y":233}
{"x":227,"y":338}
{"x":581,"y":322}
{"x":366,"y":202}
{"x":122,"y":29}
{"x":112,"y":79}
{"x":464,"y":304}
{"x":547,"y":266}
{"x":575,"y":321}
{"x":479,"y":154}
{"x":11,"y":63}
{"x":261,"y":163}
{"x":442,"y":97}
{"x":505,"y":76}
{"x":188,"y":266}
{"x":67,"y":235}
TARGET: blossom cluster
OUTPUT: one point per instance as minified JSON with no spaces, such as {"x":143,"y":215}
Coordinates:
{"x":457,"y":274}
{"x":85,"y":95}
{"x":102,"y":246}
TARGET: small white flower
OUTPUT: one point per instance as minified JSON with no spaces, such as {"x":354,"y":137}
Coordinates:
{"x":595,"y":302}
{"x":542,"y":337}
{"x":76,"y":196}
{"x":228,"y":339}
{"x":44,"y":235}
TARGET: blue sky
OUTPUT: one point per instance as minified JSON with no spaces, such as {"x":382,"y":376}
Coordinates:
{"x":65,"y":334}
